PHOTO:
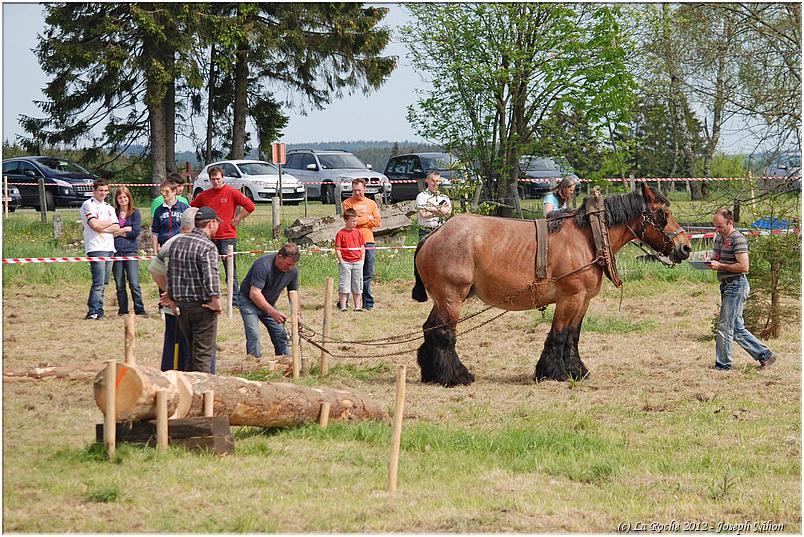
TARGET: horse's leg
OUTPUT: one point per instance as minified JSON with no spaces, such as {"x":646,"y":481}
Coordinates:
{"x":552,"y":364}
{"x":572,"y":357}
{"x":437,"y":357}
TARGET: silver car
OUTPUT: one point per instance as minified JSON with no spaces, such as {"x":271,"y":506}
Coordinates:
{"x":329,"y":173}
{"x":257,"y":179}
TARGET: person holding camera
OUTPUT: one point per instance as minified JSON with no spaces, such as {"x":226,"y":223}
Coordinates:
{"x":433,"y":207}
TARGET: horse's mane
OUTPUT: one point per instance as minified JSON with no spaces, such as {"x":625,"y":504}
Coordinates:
{"x":619,"y":210}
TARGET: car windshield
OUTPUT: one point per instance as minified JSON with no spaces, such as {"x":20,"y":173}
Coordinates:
{"x":341,"y":162}
{"x":444,"y":161}
{"x":538,"y":165}
{"x":60,"y":166}
{"x":258,"y":168}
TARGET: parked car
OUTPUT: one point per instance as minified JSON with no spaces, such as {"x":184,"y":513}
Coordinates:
{"x":548,"y":170}
{"x":329,"y":173}
{"x":787,"y":165}
{"x":66,"y":183}
{"x":14,"y":198}
{"x":416,"y":166}
{"x":257,"y":179}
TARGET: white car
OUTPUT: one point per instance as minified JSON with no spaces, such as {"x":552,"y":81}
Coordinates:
{"x":257,"y":179}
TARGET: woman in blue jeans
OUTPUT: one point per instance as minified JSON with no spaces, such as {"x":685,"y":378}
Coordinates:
{"x":125,"y":243}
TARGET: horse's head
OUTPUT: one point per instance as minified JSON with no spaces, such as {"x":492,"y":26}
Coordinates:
{"x":659,"y":228}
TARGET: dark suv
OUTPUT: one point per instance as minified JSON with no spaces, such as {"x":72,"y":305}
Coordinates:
{"x":66,"y":183}
{"x":408,"y":172}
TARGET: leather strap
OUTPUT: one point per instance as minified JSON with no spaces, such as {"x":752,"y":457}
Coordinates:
{"x":541,"y":248}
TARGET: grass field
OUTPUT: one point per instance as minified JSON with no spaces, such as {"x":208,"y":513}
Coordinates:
{"x":654,"y":436}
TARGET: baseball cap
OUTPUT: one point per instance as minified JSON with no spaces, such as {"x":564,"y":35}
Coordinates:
{"x":205,"y":213}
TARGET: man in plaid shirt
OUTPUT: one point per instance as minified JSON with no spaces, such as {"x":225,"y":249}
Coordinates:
{"x":194,"y":285}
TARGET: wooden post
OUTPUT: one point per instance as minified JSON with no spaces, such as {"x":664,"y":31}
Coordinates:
{"x":110,"y":417}
{"x":751,"y":194}
{"x":58,"y":229}
{"x":323,"y":418}
{"x":230,"y":278}
{"x":327,"y":324}
{"x":209,"y":403}
{"x":129,"y":338}
{"x":305,"y":201}
{"x":6,"y":198}
{"x":161,"y":420}
{"x":632,"y":181}
{"x":396,"y":431}
{"x":736,"y":212}
{"x":42,"y":200}
{"x":294,"y":333}
{"x":338,"y":200}
{"x":276,"y":216}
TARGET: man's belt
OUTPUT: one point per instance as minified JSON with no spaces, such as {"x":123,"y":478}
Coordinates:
{"x":732,"y":278}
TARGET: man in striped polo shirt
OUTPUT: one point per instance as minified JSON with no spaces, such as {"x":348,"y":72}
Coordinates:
{"x":731,"y":263}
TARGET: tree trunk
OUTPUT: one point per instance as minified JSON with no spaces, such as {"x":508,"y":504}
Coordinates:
{"x":239,"y":123}
{"x":775,"y":313}
{"x":245,"y":402}
{"x":170,"y":127}
{"x":156,"y":122}
{"x":213,"y":78}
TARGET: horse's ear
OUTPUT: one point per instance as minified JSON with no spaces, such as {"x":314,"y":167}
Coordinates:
{"x":647,"y":193}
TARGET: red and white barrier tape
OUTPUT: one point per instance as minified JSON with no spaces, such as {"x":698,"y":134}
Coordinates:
{"x":523,"y":180}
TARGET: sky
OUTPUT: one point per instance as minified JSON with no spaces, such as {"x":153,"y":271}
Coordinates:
{"x":377,"y":116}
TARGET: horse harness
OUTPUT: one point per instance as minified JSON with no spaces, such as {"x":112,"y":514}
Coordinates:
{"x":595,"y":207}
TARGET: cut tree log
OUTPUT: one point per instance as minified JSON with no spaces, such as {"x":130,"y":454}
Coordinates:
{"x":244,"y":402}
{"x":395,"y":218}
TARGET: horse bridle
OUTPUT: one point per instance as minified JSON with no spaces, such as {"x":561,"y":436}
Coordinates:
{"x":649,"y":221}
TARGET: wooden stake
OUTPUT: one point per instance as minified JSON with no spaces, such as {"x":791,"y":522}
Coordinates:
{"x":161,"y":420}
{"x":129,"y":338}
{"x":230,"y":276}
{"x":323,"y":418}
{"x":209,"y":403}
{"x":294,"y":333}
{"x":276,"y":216}
{"x":396,"y":432}
{"x":6,"y":198}
{"x":327,"y":324}
{"x":42,"y":200}
{"x":109,"y":426}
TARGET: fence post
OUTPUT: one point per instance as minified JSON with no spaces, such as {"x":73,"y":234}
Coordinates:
{"x":58,"y":230}
{"x":294,"y":333}
{"x":6,"y":199}
{"x":632,"y":181}
{"x":42,"y":200}
{"x":230,"y":277}
{"x":327,"y":324}
{"x":305,"y":201}
{"x":161,"y":421}
{"x":110,"y":414}
{"x":275,"y":217}
{"x":338,"y":200}
{"x":736,"y":212}
{"x":396,"y":430}
{"x":209,"y":403}
{"x":129,"y":338}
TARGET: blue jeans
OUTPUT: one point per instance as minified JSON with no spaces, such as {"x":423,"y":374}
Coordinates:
{"x":222,"y":244}
{"x":730,"y":325}
{"x":252,"y":317}
{"x":101,"y":274}
{"x":368,"y":274}
{"x":128,"y":270}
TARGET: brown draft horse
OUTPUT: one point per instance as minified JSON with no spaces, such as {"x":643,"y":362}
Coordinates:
{"x":494,"y":259}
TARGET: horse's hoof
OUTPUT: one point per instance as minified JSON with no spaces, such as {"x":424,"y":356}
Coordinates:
{"x":559,"y":376}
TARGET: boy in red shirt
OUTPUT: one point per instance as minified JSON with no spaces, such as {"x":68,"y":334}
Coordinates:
{"x":349,"y":249}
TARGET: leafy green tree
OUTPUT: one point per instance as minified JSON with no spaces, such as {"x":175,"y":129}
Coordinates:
{"x":497,"y":71}
{"x":775,"y":280}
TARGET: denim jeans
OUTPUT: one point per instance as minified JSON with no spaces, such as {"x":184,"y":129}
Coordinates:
{"x":101,"y":274}
{"x":222,"y":244}
{"x":130,"y":270}
{"x":730,"y":325}
{"x":252,"y":317}
{"x":368,"y":275}
{"x":175,"y":349}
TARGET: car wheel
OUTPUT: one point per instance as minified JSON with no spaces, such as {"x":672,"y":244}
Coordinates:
{"x":327,"y":194}
{"x":248,"y":194}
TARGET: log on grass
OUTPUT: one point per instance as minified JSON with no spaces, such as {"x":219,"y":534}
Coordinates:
{"x":135,"y":392}
{"x":246,"y":402}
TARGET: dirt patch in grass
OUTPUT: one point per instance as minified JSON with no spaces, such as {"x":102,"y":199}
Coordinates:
{"x":655,"y":433}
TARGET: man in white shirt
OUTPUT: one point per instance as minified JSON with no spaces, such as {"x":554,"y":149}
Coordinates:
{"x":433,"y":207}
{"x":100,"y":222}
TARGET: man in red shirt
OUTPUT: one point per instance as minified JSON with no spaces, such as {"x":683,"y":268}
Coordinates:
{"x":225,"y":200}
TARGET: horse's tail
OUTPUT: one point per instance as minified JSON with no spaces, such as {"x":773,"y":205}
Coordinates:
{"x":419,"y":293}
